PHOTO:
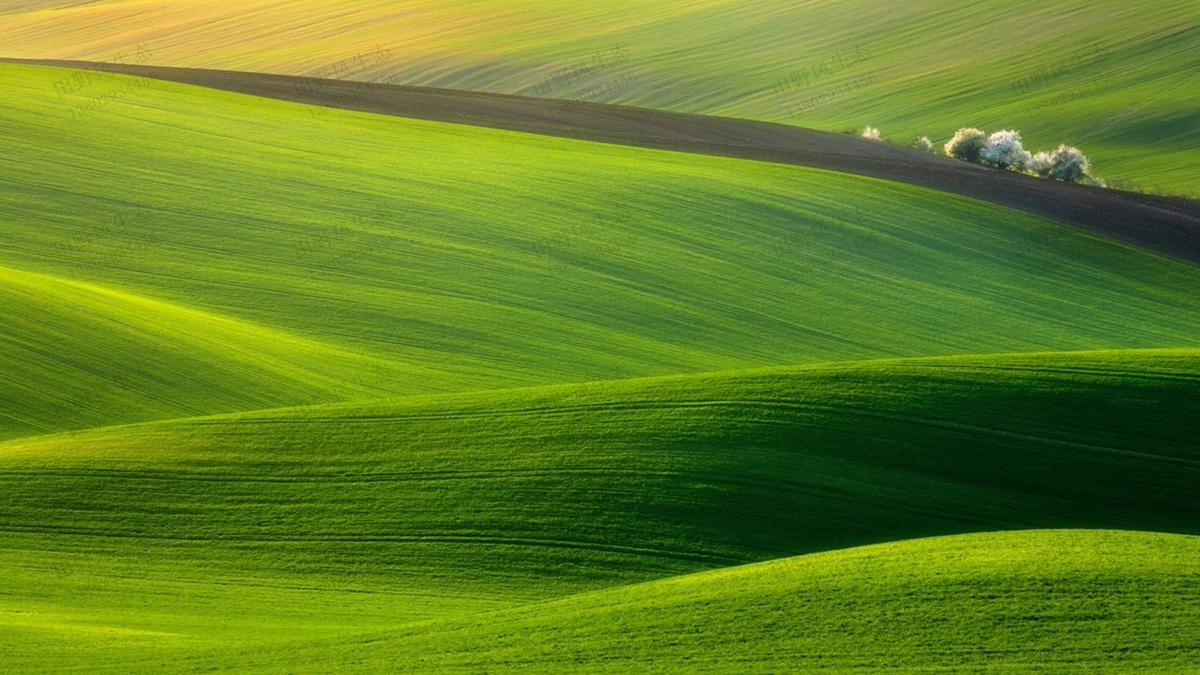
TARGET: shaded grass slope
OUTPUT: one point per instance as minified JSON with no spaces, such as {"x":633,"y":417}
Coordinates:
{"x":1116,"y":79}
{"x":434,"y":506}
{"x":479,"y":259}
{"x":1043,"y":601}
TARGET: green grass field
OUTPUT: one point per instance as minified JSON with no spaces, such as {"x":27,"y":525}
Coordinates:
{"x":444,"y":258}
{"x":1048,"y":602}
{"x":356,"y":517}
{"x":1115,"y":79}
{"x":286,"y":389}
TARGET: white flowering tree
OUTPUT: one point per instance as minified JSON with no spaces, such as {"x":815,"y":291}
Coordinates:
{"x":924,"y":144}
{"x":1069,"y":164}
{"x":871,"y":133}
{"x":1004,"y":150}
{"x":967,"y":144}
{"x":1040,"y":164}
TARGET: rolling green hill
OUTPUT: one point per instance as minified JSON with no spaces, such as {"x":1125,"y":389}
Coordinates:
{"x":1031,"y":602}
{"x":77,"y":355}
{"x":1116,"y":79}
{"x":137,"y":542}
{"x":295,"y":389}
{"x":409,"y":257}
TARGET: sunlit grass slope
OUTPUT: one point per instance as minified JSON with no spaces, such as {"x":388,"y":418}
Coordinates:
{"x":357,"y":516}
{"x":1065,"y":601}
{"x":76,"y":356}
{"x":480,"y":259}
{"x":921,"y":67}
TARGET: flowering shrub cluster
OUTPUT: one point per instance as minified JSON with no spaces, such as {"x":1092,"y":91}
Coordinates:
{"x":1003,"y":150}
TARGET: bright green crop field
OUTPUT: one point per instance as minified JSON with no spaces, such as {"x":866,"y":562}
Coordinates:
{"x":1117,"y":79}
{"x":346,"y":519}
{"x":444,"y":258}
{"x":1048,"y":602}
{"x":287,"y":389}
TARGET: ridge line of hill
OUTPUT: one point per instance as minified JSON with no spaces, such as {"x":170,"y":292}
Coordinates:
{"x":999,"y":360}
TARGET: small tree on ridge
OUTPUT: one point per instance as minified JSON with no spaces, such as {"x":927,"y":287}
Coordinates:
{"x":1004,"y":150}
{"x":1068,"y":164}
{"x":967,"y":144}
